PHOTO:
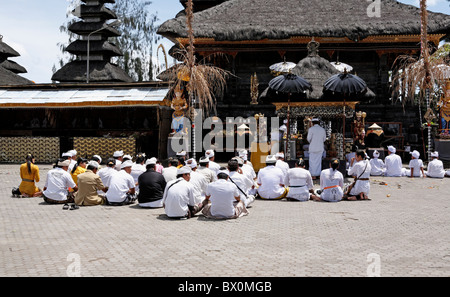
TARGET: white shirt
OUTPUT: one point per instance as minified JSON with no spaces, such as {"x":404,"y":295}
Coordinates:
{"x":249,"y":171}
{"x":71,"y":165}
{"x":300,"y":182}
{"x":178,"y":197}
{"x":316,"y":137}
{"x":393,"y":165}
{"x":118,"y":163}
{"x":243,"y":182}
{"x":284,"y":167}
{"x":57,"y":184}
{"x":105,"y":175}
{"x":200,"y":183}
{"x":136,"y":170}
{"x":119,"y":184}
{"x":207,"y":173}
{"x":214,"y":167}
{"x":269,"y":179}
{"x":436,"y":169}
{"x":377,"y":166}
{"x":169,"y":173}
{"x":331,"y":183}
{"x":361,"y":169}
{"x":416,"y":164}
{"x":223,"y":195}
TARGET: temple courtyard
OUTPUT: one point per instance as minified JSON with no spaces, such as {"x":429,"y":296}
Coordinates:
{"x":403,"y":230}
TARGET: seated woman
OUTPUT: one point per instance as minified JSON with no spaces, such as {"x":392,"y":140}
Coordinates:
{"x":300,"y":183}
{"x":331,"y":184}
{"x":78,"y":168}
{"x":29,"y":173}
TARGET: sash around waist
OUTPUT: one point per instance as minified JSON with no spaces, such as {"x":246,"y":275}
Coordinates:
{"x":27,"y":180}
{"x":297,"y":186}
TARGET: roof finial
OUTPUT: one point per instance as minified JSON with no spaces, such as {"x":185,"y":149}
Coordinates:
{"x":313,"y":48}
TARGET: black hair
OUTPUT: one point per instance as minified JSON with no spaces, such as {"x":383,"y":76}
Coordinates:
{"x":233,"y":165}
{"x":140,"y":158}
{"x":90,"y":167}
{"x":150,"y":166}
{"x":111,"y":162}
{"x":335,"y":164}
{"x":173,"y":162}
{"x":96,"y":159}
{"x":79,"y":161}
{"x":29,"y":159}
{"x":222,"y":176}
{"x":361,"y":153}
{"x":301,"y":162}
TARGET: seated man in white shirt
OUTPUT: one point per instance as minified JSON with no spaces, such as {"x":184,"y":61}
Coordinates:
{"x":377,"y":165}
{"x":198,"y":180}
{"x":435,"y":167}
{"x":118,"y":156}
{"x":271,"y":181}
{"x":203,"y":169}
{"x":121,"y":188}
{"x":415,"y":166}
{"x":178,"y":199}
{"x":393,"y":163}
{"x":170,"y":172}
{"x":224,"y":198}
{"x":106,"y":172}
{"x":212,"y":165}
{"x":282,"y":165}
{"x":241,"y":180}
{"x":56,"y":189}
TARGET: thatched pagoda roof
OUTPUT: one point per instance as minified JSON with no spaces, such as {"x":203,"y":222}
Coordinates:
{"x":239,"y":20}
{"x":10,"y":78}
{"x":84,"y":28}
{"x":99,"y":71}
{"x":13,"y":66}
{"x":97,"y":11}
{"x":79,"y":47}
{"x":6,"y":50}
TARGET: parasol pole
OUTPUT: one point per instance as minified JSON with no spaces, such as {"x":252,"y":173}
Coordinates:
{"x":343,"y":131}
{"x":288,"y":128}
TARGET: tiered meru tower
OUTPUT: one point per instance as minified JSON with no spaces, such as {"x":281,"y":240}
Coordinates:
{"x":94,"y":31}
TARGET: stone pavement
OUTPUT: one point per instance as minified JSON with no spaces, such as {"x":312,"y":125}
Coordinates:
{"x":403,"y":231}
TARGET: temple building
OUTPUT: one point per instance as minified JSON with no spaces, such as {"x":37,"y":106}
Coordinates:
{"x":254,"y":35}
{"x":10,"y":70}
{"x":94,"y":46}
{"x":96,"y":114}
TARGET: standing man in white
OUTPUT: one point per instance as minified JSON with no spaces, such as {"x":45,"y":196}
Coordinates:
{"x":316,"y":138}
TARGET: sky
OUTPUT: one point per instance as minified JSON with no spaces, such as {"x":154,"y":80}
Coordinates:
{"x":31,"y":27}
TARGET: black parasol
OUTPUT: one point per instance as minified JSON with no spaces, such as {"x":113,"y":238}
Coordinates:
{"x":345,"y":84}
{"x":290,"y":84}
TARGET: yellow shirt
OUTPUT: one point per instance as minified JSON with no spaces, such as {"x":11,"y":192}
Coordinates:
{"x":75,"y":174}
{"x":27,"y":185}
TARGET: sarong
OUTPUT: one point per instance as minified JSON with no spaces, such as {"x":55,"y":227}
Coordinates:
{"x":239,"y":211}
{"x":315,"y":163}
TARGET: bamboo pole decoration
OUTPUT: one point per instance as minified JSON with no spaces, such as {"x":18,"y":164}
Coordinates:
{"x":426,"y":63}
